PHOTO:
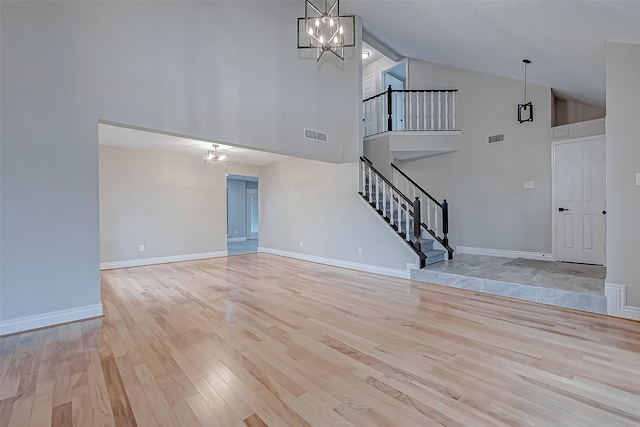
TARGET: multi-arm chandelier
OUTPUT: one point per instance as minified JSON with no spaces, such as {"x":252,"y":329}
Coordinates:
{"x":214,"y":156}
{"x":323,"y":29}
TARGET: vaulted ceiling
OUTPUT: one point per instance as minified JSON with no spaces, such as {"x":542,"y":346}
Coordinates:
{"x":564,"y":39}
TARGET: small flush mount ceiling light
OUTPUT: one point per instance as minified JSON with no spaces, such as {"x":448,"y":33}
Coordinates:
{"x":365,"y":54}
{"x":525,"y":111}
{"x":214,"y":156}
{"x":323,"y":29}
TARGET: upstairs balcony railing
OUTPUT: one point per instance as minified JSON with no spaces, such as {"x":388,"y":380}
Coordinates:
{"x":410,"y":110}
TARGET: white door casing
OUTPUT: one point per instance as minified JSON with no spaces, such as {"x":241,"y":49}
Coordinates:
{"x":579,"y":202}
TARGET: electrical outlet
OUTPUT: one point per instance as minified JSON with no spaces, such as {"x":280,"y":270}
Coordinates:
{"x":140,"y":248}
{"x":529,"y":184}
{"x":236,"y":231}
{"x":300,"y":243}
{"x":359,"y":251}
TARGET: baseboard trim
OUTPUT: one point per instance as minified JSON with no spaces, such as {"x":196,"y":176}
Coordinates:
{"x":617,"y":302}
{"x":236,"y":239}
{"x":52,"y":318}
{"x":160,"y":260}
{"x":403,"y":274}
{"x":502,"y":253}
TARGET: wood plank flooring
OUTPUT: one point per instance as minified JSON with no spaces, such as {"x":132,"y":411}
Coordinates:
{"x":261,"y":340}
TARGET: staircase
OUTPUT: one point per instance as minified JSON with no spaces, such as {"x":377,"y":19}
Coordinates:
{"x":400,"y":213}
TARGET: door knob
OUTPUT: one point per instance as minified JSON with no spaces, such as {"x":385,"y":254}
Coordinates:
{"x":604,"y":212}
{"x":562,"y":209}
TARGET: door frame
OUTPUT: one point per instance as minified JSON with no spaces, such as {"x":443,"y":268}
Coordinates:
{"x":554,"y":183}
{"x":405,"y":63}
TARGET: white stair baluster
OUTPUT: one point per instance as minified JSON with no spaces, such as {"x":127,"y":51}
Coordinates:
{"x":398,"y":119}
{"x":391,"y":205}
{"x":399,"y":213}
{"x":364,"y":180}
{"x":439,"y":110}
{"x":410,"y":96}
{"x":431,"y":112}
{"x":370,"y":183}
{"x":384,"y":113}
{"x":417,"y":110}
{"x":407,"y":221}
{"x":446,"y":110}
{"x":424,"y":113}
{"x":453,"y":108}
{"x":429,"y":214}
{"x":377,"y":193}
{"x":384,"y":199}
{"x":435,"y":212}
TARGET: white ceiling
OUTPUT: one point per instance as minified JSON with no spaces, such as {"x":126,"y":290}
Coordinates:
{"x":564,"y":39}
{"x":120,"y":136}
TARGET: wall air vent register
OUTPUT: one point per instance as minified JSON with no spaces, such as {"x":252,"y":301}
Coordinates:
{"x":316,"y":135}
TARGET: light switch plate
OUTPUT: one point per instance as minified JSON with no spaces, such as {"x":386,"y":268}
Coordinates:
{"x":638,"y":179}
{"x":529,"y":184}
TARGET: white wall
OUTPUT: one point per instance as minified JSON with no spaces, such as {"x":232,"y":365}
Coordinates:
{"x":226,"y":71}
{"x":483,"y":183}
{"x":317,"y":203}
{"x":174,"y":204}
{"x":623,"y":162}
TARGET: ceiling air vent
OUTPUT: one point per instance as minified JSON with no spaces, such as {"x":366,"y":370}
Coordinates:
{"x":496,"y":139}
{"x":316,"y":135}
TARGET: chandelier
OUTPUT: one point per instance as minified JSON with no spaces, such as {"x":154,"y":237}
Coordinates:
{"x":214,"y":156}
{"x":323,"y":29}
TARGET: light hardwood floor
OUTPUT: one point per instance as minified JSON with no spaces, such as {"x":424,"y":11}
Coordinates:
{"x":261,"y":340}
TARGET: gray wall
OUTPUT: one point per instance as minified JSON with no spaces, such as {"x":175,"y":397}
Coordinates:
{"x":623,"y":162}
{"x":237,"y":208}
{"x":318,"y":203}
{"x":174,"y":204}
{"x":192,"y":68}
{"x":484,"y":183}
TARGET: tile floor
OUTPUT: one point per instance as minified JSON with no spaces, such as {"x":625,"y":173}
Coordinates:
{"x":488,"y":274}
{"x":246,"y":247}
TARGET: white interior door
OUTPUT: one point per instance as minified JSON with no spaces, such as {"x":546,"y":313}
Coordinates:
{"x":580,"y":201}
{"x":368,"y":90}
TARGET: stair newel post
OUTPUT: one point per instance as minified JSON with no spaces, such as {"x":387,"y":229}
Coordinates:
{"x":416,"y":222}
{"x":389,"y":109}
{"x":445,"y":222}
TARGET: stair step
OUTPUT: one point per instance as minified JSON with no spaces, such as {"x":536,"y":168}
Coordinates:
{"x":426,"y":244}
{"x":434,"y":256}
